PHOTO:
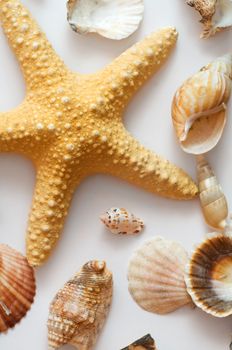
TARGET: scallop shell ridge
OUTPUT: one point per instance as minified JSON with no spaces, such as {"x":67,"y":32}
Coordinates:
{"x":17,"y":287}
{"x":156,"y":276}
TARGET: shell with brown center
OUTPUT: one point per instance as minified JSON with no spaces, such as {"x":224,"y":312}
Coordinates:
{"x":209,"y":276}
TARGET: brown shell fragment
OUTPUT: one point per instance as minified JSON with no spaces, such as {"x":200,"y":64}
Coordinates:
{"x":79,"y":309}
{"x":17,"y":287}
{"x":209,"y":276}
{"x":145,"y":343}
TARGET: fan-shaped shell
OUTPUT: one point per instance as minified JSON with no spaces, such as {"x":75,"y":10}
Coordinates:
{"x":113,"y":19}
{"x":199,"y":106}
{"x":209,"y":276}
{"x":156,"y":276}
{"x":145,"y":343}
{"x":17,"y":287}
{"x":213,"y":201}
{"x":216,"y":15}
{"x":79,"y":309}
{"x":120,"y":221}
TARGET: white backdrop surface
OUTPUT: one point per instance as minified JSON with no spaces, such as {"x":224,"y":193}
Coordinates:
{"x":84,"y":237}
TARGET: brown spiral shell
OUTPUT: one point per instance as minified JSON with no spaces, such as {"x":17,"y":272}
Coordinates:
{"x":17,"y":287}
{"x":79,"y":309}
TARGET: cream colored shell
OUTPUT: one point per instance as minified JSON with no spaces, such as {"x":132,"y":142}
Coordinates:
{"x":156,"y":276}
{"x":113,"y":19}
{"x":216,"y":15}
{"x":199,"y":106}
{"x":120,"y":221}
{"x":209,"y":275}
{"x":79,"y":309}
{"x":213,"y":201}
{"x":17,"y":287}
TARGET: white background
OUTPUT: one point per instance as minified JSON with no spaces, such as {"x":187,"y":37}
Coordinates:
{"x":84,"y":237}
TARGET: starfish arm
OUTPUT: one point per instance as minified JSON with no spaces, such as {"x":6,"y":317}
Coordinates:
{"x":127,"y":73}
{"x":39,"y":62}
{"x":21,"y":131}
{"x":53,"y":193}
{"x":129,"y":160}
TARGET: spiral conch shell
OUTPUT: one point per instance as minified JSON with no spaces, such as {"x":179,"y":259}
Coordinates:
{"x":144,"y":343}
{"x":209,"y":276}
{"x":216,"y":15}
{"x":78,"y":311}
{"x":213,"y":201}
{"x":199,"y":106}
{"x":113,"y":19}
{"x":156,"y":276}
{"x":120,"y":221}
{"x":17,"y":287}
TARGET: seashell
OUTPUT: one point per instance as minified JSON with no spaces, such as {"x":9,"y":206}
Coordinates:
{"x":113,"y":19}
{"x":79,"y":309}
{"x":209,"y":277}
{"x":213,"y":201}
{"x":120,"y":221}
{"x":216,"y":15}
{"x":145,"y":343}
{"x":156,"y":276}
{"x":199,"y":106}
{"x":17,"y":287}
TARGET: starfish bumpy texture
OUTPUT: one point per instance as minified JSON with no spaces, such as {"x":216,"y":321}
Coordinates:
{"x":70,"y":125}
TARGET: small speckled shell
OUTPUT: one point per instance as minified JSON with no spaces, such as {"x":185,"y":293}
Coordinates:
{"x":113,"y":19}
{"x":17,"y":287}
{"x":209,"y":276}
{"x":145,"y":343}
{"x":199,"y":106}
{"x":213,"y":201}
{"x":120,"y":221}
{"x":156,"y":276}
{"x":216,"y":15}
{"x":78,"y":311}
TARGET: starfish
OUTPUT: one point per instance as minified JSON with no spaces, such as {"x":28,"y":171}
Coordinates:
{"x":70,"y":125}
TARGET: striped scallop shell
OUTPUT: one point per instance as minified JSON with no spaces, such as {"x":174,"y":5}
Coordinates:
{"x":120,"y":221}
{"x":156,"y":276}
{"x":17,"y":287}
{"x":199,"y":106}
{"x":113,"y":19}
{"x":209,"y":276}
{"x":79,"y":309}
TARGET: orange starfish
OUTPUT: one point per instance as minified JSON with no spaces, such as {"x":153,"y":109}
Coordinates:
{"x":70,"y":125}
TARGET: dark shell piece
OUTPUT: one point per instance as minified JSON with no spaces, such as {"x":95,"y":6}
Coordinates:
{"x":144,"y":343}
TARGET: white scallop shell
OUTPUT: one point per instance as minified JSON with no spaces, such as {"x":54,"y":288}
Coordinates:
{"x":120,"y":221}
{"x":156,"y":276}
{"x":113,"y":19}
